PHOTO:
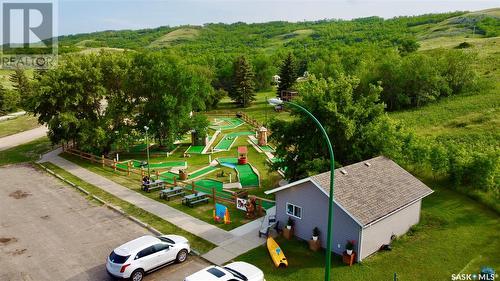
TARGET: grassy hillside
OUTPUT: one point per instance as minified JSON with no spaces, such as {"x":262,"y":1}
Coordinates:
{"x":177,"y":36}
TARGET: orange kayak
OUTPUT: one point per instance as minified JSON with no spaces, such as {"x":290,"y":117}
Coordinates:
{"x":276,"y":253}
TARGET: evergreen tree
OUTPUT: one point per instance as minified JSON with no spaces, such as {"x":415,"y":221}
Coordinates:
{"x":20,"y":82}
{"x":243,"y":86}
{"x":288,"y":74}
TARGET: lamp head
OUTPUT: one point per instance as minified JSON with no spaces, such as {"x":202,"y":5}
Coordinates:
{"x":275,"y":101}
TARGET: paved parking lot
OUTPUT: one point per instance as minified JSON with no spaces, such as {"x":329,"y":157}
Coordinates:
{"x":49,"y":231}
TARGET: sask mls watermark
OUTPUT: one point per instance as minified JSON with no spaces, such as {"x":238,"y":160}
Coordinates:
{"x":29,"y":34}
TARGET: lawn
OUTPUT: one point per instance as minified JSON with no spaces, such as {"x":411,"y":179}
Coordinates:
{"x":17,"y":125}
{"x":26,"y":152}
{"x":456,"y":234}
{"x":197,"y":243}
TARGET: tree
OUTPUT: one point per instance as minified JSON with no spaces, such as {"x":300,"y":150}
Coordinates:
{"x":21,"y":85}
{"x":69,"y":100}
{"x":8,"y":100}
{"x":166,"y":91}
{"x":288,"y":74}
{"x":243,"y":86}
{"x":346,"y":116}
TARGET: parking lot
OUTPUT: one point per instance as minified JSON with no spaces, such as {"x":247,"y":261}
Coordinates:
{"x":50,"y":231}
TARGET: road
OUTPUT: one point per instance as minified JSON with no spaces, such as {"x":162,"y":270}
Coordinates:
{"x":49,"y":231}
{"x":23,"y":137}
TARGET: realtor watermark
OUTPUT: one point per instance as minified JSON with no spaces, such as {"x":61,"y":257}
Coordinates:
{"x":486,"y":274}
{"x":28,"y":34}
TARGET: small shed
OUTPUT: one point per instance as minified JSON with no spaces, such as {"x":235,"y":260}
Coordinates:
{"x":288,"y":95}
{"x":242,"y":155}
{"x":374,"y":201}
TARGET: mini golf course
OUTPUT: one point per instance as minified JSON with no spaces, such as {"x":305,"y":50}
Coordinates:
{"x":227,"y":123}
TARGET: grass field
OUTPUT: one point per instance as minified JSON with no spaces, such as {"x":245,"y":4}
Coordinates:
{"x":17,"y":125}
{"x":456,"y":234}
{"x":156,"y":222}
{"x":26,"y":152}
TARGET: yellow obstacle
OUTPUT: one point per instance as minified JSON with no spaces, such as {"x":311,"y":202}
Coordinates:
{"x":276,"y":253}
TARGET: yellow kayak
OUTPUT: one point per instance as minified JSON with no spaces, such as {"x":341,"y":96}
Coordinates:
{"x":276,"y":253}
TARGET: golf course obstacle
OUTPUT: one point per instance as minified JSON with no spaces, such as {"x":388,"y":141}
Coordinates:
{"x":260,"y":148}
{"x":242,"y":155}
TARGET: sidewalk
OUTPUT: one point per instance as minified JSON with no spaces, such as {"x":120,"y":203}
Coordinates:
{"x":230,"y":244}
{"x":23,"y":137}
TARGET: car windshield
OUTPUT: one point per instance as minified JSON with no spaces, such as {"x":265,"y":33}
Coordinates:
{"x":165,"y":239}
{"x":114,"y":258}
{"x":236,"y":274}
{"x":217,"y":273}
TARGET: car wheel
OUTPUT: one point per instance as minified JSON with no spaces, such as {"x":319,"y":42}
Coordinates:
{"x":182,"y":255}
{"x":137,"y":275}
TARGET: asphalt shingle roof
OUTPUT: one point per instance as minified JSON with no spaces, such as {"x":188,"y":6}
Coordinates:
{"x":371,"y":192}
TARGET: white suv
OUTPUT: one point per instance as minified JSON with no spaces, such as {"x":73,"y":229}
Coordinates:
{"x":145,"y":254}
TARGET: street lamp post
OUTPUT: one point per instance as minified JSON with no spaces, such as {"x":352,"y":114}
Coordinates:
{"x":147,"y":148}
{"x":275,"y":101}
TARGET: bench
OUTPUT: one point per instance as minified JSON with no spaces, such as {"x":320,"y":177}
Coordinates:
{"x":199,"y":201}
{"x":174,"y":194}
{"x":153,"y":186}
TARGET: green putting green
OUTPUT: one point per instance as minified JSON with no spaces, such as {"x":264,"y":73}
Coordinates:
{"x":206,"y":186}
{"x":225,"y":143}
{"x":169,"y":176}
{"x":237,"y":134}
{"x":228,"y":123}
{"x":195,"y":149}
{"x":247,"y":176}
{"x":265,"y":148}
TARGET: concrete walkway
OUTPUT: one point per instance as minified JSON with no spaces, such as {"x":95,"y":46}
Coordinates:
{"x":23,"y":137}
{"x":230,"y":243}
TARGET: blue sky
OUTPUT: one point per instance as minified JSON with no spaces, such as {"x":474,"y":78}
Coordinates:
{"x":78,"y":16}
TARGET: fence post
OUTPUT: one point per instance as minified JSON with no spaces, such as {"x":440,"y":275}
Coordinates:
{"x":128,"y":168}
{"x":102,"y":160}
{"x":114,"y":164}
{"x":213,"y":196}
{"x":175,"y":181}
{"x":192,"y":186}
{"x":92,"y":158}
{"x":157,"y":175}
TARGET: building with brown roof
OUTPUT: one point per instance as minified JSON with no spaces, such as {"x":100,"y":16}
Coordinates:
{"x":374,"y":201}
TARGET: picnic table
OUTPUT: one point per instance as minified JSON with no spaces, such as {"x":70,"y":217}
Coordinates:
{"x":168,"y":193}
{"x":196,"y":198}
{"x":157,"y":184}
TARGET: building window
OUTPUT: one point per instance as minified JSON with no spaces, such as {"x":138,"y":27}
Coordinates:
{"x":294,"y":210}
